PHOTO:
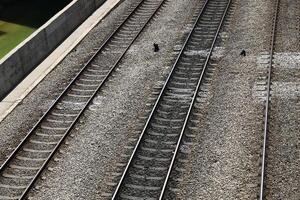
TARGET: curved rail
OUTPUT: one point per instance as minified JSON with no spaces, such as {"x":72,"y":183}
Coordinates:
{"x":159,"y":99}
{"x":266,"y":113}
{"x":88,"y":63}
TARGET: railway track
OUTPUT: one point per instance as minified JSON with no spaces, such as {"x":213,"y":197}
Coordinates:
{"x":280,"y":154}
{"x":267,"y":104}
{"x":23,"y":167}
{"x":148,"y":171}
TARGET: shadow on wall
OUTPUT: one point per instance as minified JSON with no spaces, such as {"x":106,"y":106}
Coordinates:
{"x":30,"y":13}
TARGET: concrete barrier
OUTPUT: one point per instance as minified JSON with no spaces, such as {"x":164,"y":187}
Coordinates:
{"x":27,"y":55}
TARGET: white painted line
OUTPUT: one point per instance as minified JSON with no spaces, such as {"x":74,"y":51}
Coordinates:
{"x":41,"y":71}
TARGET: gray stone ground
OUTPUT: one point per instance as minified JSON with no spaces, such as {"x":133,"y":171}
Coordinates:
{"x":288,"y":36}
{"x":82,"y":168}
{"x":283,"y":166}
{"x":19,"y":122}
{"x":224,"y":162}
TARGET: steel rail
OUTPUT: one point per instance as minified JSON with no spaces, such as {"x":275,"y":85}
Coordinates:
{"x":192,"y":103}
{"x":266,"y":117}
{"x":63,"y":92}
{"x":4,"y":165}
{"x":159,"y":99}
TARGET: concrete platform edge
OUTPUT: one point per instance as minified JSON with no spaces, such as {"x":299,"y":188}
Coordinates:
{"x":40,"y":72}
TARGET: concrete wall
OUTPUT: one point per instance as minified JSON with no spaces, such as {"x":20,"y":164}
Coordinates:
{"x":27,"y":55}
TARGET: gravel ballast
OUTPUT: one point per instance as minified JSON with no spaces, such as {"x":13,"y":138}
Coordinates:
{"x":283,"y":160}
{"x":82,"y":168}
{"x":224,"y":160}
{"x":17,"y":124}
